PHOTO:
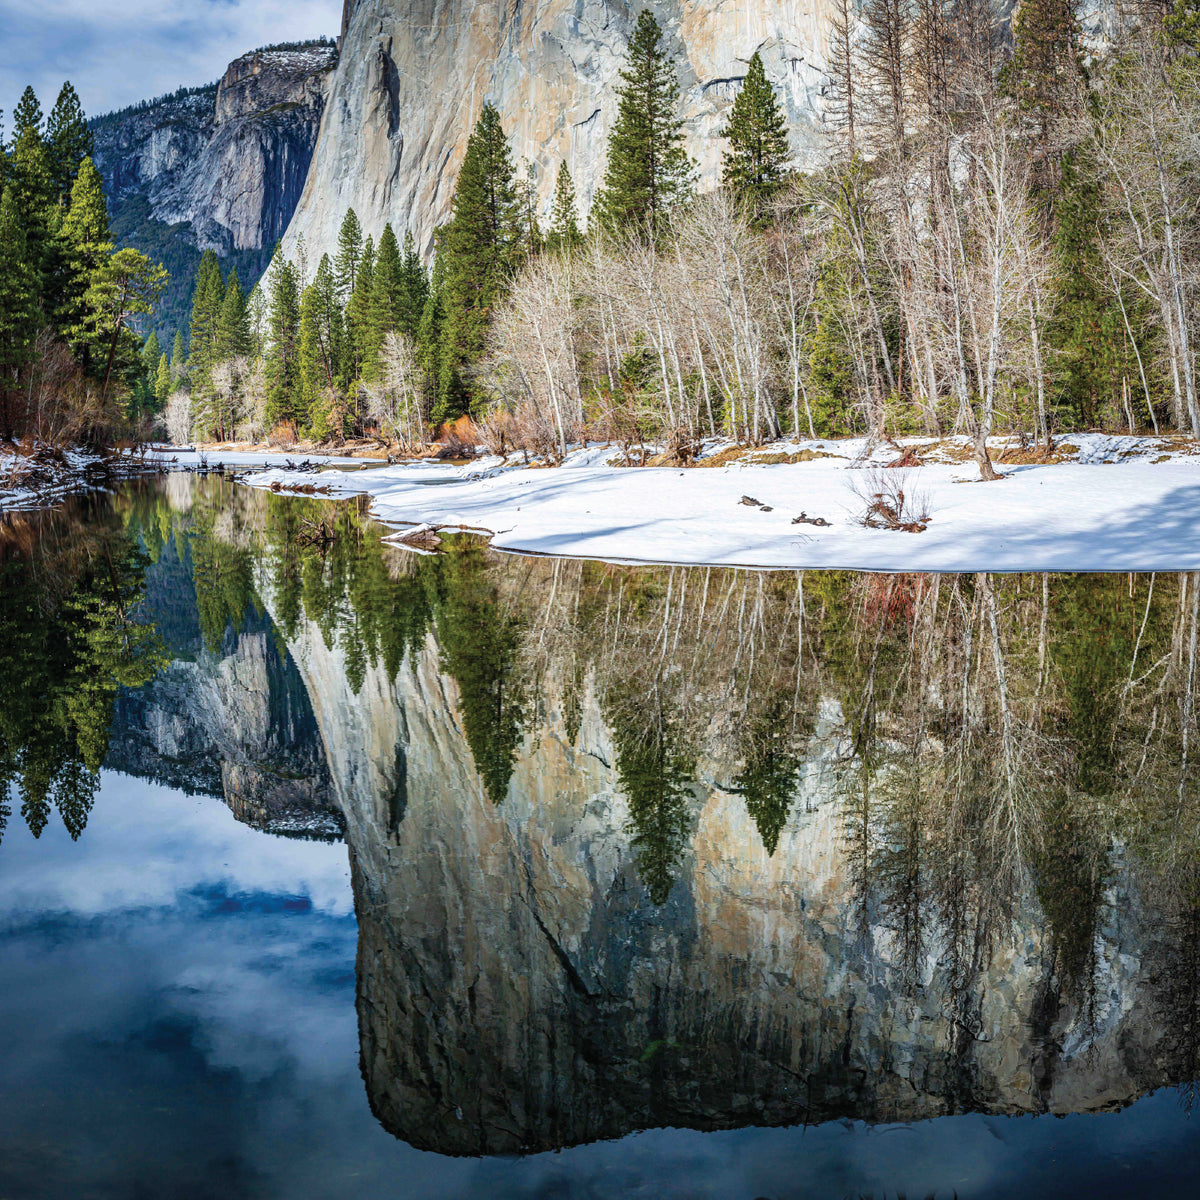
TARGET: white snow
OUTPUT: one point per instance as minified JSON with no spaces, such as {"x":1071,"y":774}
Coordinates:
{"x":255,"y":458}
{"x":1116,"y":509}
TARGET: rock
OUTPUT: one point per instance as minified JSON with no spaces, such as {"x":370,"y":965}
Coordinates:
{"x":227,"y":160}
{"x":215,"y":168}
{"x":414,"y":75}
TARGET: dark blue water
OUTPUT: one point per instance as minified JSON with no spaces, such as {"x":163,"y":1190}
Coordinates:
{"x":177,"y":994}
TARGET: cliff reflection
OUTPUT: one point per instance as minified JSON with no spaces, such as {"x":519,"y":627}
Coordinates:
{"x":702,"y":847}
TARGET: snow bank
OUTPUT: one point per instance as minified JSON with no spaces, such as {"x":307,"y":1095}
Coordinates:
{"x":1120,"y":506}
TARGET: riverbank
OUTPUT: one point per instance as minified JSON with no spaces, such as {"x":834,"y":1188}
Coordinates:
{"x":1102,"y":503}
{"x":39,"y":477}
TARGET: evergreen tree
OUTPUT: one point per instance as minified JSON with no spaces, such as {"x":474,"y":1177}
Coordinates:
{"x":1182,"y":24}
{"x":18,"y":307}
{"x":481,"y":246}
{"x":283,"y":321}
{"x":319,"y":353}
{"x":429,"y":333}
{"x":648,"y":169}
{"x":208,"y":297}
{"x":126,"y":287}
{"x":357,"y":340}
{"x":84,"y":245}
{"x":233,"y":338}
{"x":387,"y":299}
{"x":1045,"y":74}
{"x":349,"y":255}
{"x":311,"y":367}
{"x":85,"y":225}
{"x":68,"y":141}
{"x":162,"y":383}
{"x":30,"y":178}
{"x":564,"y":218}
{"x":178,"y":357}
{"x":527,"y":193}
{"x":758,"y":141}
{"x":143,"y":395}
{"x":416,"y":287}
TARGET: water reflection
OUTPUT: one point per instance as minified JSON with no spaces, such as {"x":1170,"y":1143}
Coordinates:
{"x":633,"y":848}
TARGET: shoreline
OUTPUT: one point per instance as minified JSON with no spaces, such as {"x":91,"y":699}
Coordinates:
{"x":1106,"y":503}
{"x":1113,"y":504}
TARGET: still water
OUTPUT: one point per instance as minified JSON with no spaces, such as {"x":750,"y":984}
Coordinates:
{"x":331,"y":870}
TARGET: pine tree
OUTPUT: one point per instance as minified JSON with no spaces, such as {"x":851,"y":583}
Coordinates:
{"x":429,"y":332}
{"x":208,"y":296}
{"x":84,"y":245}
{"x":527,"y":194}
{"x":162,"y":383}
{"x":320,"y":340}
{"x":126,"y":287}
{"x":481,"y":246}
{"x":416,"y":287}
{"x":387,"y":300}
{"x":283,"y":350}
{"x":144,"y":392}
{"x":68,"y":141}
{"x":178,"y":358}
{"x":564,"y":217}
{"x":349,"y":255}
{"x":758,"y":141}
{"x":648,"y":169}
{"x":311,"y":374}
{"x":30,"y":178}
{"x":357,"y":340}
{"x":1045,"y":75}
{"x":18,"y":307}
{"x":233,"y":338}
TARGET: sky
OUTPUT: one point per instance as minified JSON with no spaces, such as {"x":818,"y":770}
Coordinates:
{"x":117,"y":52}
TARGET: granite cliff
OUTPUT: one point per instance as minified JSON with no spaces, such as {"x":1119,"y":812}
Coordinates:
{"x":413,"y":76}
{"x":220,"y":167}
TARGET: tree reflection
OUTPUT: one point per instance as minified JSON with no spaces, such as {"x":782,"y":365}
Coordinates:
{"x":69,"y":639}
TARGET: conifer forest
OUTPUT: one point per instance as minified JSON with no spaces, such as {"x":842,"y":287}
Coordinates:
{"x":1002,"y":239}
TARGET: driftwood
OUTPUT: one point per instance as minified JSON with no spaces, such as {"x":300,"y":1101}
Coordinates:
{"x":316,"y":533}
{"x":423,"y":537}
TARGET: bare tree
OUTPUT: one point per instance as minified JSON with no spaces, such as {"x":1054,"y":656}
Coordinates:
{"x":1146,"y":138}
{"x":178,"y":418}
{"x":395,"y":400}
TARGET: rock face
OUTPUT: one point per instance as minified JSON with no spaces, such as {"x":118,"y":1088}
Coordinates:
{"x":414,"y":74}
{"x":517,"y":991}
{"x":235,"y":723}
{"x":228,"y":161}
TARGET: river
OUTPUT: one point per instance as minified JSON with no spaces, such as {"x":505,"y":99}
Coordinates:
{"x":331,"y":869}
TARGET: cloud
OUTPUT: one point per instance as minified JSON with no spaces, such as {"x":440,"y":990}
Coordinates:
{"x":117,"y":52}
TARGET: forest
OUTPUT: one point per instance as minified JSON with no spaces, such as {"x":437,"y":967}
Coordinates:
{"x":73,"y":362}
{"x":1003,"y":240}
